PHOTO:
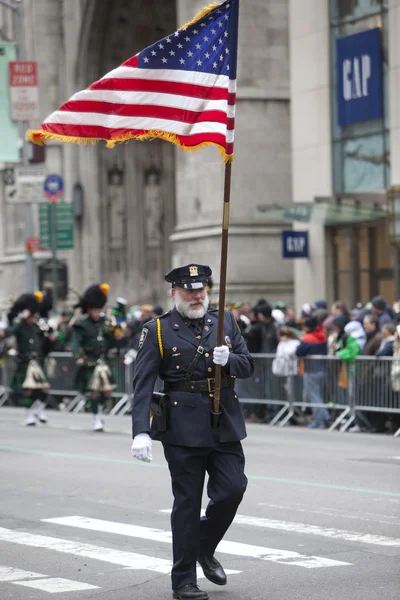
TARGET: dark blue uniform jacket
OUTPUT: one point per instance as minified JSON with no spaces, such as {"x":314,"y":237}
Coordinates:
{"x":190,"y":413}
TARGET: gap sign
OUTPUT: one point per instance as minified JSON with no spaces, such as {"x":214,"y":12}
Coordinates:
{"x":359,"y":77}
{"x":295,"y":244}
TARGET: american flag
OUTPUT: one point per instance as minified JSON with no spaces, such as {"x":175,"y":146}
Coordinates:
{"x":182,"y":89}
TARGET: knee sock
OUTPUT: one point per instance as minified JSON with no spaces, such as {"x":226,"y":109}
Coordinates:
{"x":28,"y":401}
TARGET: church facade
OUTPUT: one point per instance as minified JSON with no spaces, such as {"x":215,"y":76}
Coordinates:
{"x":146,"y":207}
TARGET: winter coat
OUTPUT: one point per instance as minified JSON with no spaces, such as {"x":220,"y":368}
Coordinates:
{"x":350,"y":348}
{"x":284,"y":363}
{"x":372,"y":346}
{"x":395,"y":371}
{"x":386,"y":348}
{"x":312,"y":344}
{"x":357,"y":332}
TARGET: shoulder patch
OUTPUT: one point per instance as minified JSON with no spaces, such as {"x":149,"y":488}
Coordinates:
{"x":143,"y":337}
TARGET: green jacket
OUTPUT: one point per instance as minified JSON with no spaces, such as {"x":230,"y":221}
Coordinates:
{"x":32,"y":342}
{"x":92,"y":340}
{"x":350,"y":350}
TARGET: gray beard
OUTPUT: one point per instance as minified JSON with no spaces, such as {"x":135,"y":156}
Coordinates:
{"x":185,"y":309}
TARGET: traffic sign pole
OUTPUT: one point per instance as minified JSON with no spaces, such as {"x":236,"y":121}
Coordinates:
{"x":29,"y":262}
{"x":53,"y":188}
{"x":53,"y":209}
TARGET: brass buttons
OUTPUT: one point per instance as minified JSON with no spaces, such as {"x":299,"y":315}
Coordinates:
{"x":209,"y":369}
{"x":175,"y":404}
{"x":211,"y":395}
{"x":177,"y":366}
{"x":206,"y":355}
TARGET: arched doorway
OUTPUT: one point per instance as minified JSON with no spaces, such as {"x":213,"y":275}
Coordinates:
{"x":130,"y":190}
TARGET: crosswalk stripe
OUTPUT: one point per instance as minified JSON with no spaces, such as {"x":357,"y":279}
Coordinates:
{"x":109,"y":555}
{"x":337,"y":534}
{"x":57,"y":585}
{"x":236,"y":548}
{"x":130,"y":560}
{"x":9,"y":574}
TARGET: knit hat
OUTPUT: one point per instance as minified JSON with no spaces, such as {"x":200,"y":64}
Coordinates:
{"x":265,"y":310}
{"x":379,"y":303}
{"x":341,"y":321}
{"x":311,"y":323}
{"x":321,"y":304}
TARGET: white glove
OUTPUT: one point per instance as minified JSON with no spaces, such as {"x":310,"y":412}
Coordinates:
{"x":221,"y":355}
{"x":141,"y":447}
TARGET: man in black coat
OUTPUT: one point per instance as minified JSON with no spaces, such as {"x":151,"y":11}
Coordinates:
{"x":180,"y":348}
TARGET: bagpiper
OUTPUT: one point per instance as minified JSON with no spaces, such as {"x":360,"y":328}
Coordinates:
{"x":93,"y":336}
{"x":34,"y":341}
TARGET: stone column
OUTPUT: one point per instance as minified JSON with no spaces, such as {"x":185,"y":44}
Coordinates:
{"x":261,"y":171}
{"x":311,"y":134}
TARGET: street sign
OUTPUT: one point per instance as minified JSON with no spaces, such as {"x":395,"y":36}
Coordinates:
{"x":64,"y":226}
{"x":24,"y":184}
{"x":53,"y":187}
{"x":24,"y":91}
{"x":32,"y":244}
{"x":295,"y":244}
{"x":298,"y":212}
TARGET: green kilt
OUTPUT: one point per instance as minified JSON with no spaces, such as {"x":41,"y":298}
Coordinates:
{"x":84,"y":377}
{"x":19,"y":377}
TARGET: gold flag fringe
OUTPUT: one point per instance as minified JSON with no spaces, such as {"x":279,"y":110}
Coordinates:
{"x":203,"y":13}
{"x":41,"y":137}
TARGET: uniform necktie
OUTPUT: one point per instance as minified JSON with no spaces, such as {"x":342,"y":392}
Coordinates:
{"x":196,"y":325}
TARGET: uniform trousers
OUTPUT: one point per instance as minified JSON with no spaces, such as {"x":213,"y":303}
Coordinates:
{"x":227,"y":483}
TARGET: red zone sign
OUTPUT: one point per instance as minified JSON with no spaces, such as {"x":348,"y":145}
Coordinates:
{"x":24,"y":91}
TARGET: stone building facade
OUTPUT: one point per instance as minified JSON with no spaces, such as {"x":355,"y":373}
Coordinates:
{"x":148,"y":206}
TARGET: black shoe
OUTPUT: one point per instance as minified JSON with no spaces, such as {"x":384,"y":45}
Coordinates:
{"x":189,"y":592}
{"x":212,"y":569}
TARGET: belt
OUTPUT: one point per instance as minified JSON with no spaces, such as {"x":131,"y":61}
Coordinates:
{"x":203,"y":385}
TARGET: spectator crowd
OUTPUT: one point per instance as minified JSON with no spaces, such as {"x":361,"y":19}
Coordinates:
{"x":371,"y":330}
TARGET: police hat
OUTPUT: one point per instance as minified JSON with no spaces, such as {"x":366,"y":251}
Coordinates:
{"x":191,"y":277}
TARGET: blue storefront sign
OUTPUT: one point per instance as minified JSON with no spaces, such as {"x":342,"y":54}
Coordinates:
{"x":295,"y":244}
{"x":359,"y":77}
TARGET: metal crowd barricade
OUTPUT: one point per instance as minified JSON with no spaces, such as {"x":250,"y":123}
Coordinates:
{"x":377,"y":388}
{"x":62,"y":373}
{"x":7,"y":370}
{"x":264,"y":389}
{"x":349,"y":390}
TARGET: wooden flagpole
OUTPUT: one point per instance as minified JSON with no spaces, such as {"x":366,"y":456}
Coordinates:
{"x":215,"y":413}
{"x":233,"y":34}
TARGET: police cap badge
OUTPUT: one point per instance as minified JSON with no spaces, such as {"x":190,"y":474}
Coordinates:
{"x":190,"y":277}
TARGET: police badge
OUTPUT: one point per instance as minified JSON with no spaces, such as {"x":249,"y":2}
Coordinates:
{"x":228,"y":343}
{"x":194,"y":271}
{"x":143,"y":337}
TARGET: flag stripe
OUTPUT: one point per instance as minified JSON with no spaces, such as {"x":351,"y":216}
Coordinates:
{"x":169,"y":75}
{"x":160,"y":112}
{"x":181,"y":88}
{"x":168,"y":100}
{"x":104,"y":133}
{"x":117,"y":122}
{"x":193,"y":90}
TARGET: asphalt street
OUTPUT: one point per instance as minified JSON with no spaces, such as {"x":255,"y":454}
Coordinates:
{"x":79,"y":518}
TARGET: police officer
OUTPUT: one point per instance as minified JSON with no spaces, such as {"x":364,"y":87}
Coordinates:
{"x":180,"y":348}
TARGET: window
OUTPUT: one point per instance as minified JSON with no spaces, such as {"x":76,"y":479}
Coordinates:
{"x":361,"y":158}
